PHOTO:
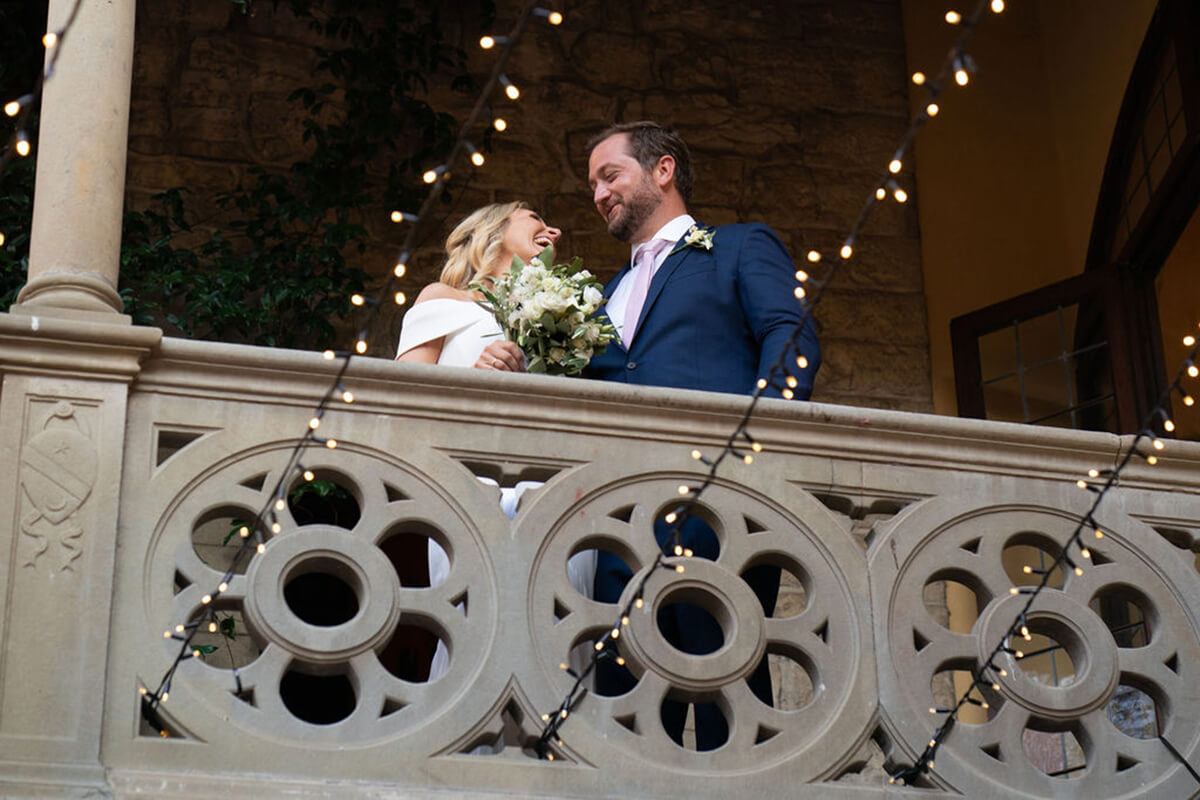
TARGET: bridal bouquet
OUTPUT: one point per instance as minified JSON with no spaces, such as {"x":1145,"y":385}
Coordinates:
{"x":549,"y":310}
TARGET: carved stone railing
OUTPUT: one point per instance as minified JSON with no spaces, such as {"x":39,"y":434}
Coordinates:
{"x":868,"y":513}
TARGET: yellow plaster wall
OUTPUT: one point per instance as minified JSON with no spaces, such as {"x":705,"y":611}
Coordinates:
{"x":1009,"y":172}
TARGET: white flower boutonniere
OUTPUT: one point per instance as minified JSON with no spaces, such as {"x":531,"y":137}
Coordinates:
{"x":698,"y":237}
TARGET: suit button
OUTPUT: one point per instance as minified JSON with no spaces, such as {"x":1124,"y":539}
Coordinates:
{"x":631,"y":365}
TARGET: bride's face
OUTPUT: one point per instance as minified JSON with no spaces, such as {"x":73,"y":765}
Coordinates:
{"x":526,"y":236}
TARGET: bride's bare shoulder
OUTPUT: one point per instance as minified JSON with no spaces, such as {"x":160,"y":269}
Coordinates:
{"x":441,"y":291}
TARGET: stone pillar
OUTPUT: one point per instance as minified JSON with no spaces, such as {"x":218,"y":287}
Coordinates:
{"x":78,"y":198}
{"x":63,"y":403}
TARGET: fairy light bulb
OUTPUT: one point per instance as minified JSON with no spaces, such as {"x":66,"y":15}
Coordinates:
{"x":801,"y":275}
{"x":788,"y":394}
{"x":477,"y":158}
{"x":487,"y":42}
{"x":314,"y":423}
{"x":357,"y":299}
{"x":244,"y":532}
{"x":1188,"y":400}
{"x":1168,"y":426}
{"x":309,"y":475}
{"x":792,"y":382}
{"x":328,"y":355}
{"x":900,"y":195}
{"x":401,"y":298}
{"x":697,"y":455}
{"x":961,"y":77}
{"x":932,"y":109}
{"x":802,"y":362}
{"x":12,"y":109}
{"x":430,"y":176}
{"x":1093,"y":473}
{"x":1193,"y":371}
{"x":1028,"y":570}
{"x":918,"y":78}
{"x":206,"y":599}
{"x":670,"y":518}
{"x":1,"y":240}
{"x":1159,"y":444}
{"x":1081,"y":483}
{"x":1099,"y":533}
{"x":799,"y":292}
{"x":997,"y":6}
{"x":276,"y":528}
{"x":23,"y":145}
{"x":280,"y":504}
{"x":262,"y":548}
{"x":179,"y":629}
{"x":762,"y":383}
{"x":1083,"y":551}
{"x":212,"y":627}
{"x":331,"y":444}
{"x":749,"y":459}
{"x":401,"y":265}
{"x":347,"y":396}
{"x":684,"y":488}
{"x":360,"y":347}
{"x":813,"y":256}
{"x":895,"y":165}
{"x":1078,"y":571}
{"x":510,"y":90}
{"x":49,"y":40}
{"x":639,"y":603}
{"x":880,"y":193}
{"x":1188,"y":341}
{"x":756,"y":447}
{"x":679,"y":569}
{"x":500,"y":124}
{"x":1152,"y":460}
{"x":846,"y":251}
{"x":953,"y":17}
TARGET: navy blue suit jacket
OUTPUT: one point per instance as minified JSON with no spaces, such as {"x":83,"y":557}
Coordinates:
{"x":716,"y":319}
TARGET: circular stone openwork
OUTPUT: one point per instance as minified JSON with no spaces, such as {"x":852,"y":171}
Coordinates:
{"x":393,"y":499}
{"x":830,"y":637}
{"x":720,"y":592}
{"x":941,"y":540}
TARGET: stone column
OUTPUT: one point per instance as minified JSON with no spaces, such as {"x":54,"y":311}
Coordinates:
{"x":79,"y":195}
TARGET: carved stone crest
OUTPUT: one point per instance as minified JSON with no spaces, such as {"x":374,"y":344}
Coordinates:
{"x":58,"y":471}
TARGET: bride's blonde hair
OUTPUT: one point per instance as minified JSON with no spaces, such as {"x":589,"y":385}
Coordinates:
{"x":475,"y":243}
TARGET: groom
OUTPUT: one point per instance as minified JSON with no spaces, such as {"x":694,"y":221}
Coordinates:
{"x":695,"y":308}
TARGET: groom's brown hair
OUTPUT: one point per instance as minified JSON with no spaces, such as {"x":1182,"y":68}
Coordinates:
{"x":648,"y":142}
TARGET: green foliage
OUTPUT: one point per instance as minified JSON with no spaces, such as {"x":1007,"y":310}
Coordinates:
{"x":277,"y":265}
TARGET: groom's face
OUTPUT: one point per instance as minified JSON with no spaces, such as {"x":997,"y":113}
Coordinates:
{"x":624,"y":192}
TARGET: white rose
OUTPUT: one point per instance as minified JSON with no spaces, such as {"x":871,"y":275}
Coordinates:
{"x":592,"y":296}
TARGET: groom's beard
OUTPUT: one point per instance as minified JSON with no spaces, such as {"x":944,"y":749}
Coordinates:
{"x":635,"y":210}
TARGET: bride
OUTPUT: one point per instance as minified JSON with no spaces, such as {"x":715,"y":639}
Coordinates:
{"x":447,"y":326}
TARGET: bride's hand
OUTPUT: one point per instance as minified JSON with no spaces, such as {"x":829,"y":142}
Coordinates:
{"x":502,"y":355}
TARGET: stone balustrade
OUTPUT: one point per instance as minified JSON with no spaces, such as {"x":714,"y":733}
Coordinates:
{"x":875,"y":517}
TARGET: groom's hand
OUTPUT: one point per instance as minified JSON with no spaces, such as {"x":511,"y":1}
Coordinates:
{"x":502,"y":355}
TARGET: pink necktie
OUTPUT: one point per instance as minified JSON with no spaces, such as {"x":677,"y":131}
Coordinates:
{"x":641,"y":286}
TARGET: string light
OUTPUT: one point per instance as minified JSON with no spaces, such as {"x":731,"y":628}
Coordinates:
{"x":510,"y":89}
{"x":997,"y":6}
{"x":553,"y":17}
{"x":476,"y":156}
{"x":403,"y":216}
{"x":898,"y":193}
{"x":401,"y":265}
{"x":918,"y":78}
{"x":23,"y":147}
{"x":12,"y":108}
{"x":814,"y":256}
{"x":488,"y":42}
{"x":500,"y":124}
{"x":932,"y":109}
{"x":895,"y":165}
{"x":953,"y":17}
{"x":400,"y":298}
{"x":432,"y":175}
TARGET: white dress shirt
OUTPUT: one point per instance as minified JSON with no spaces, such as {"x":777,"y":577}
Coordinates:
{"x":673,"y":231}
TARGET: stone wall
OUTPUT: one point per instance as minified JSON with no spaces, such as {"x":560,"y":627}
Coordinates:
{"x":791,"y":107}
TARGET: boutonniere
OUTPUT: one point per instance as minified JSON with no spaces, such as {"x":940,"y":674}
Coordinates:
{"x":698,"y":237}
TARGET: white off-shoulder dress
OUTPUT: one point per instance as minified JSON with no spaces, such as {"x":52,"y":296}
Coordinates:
{"x":468,"y":328}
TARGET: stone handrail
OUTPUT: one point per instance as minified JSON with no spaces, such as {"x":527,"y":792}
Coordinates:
{"x":868,"y":512}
